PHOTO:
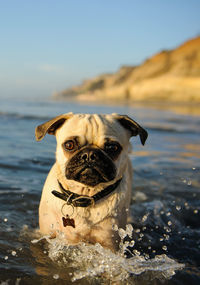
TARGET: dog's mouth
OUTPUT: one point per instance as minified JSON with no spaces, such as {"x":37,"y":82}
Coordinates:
{"x":91,"y":172}
{"x":90,"y":175}
{"x":93,"y":175}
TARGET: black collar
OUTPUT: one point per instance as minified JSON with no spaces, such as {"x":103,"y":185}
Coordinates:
{"x":83,"y":200}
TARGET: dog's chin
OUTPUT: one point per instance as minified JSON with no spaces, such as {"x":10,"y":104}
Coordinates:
{"x":89,"y":176}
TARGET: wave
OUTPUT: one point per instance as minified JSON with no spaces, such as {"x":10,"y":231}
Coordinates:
{"x":166,"y":129}
{"x":24,"y":168}
{"x":162,"y":127}
{"x":23,"y":116}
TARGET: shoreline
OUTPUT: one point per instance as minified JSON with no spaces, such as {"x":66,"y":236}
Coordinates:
{"x":184,"y":108}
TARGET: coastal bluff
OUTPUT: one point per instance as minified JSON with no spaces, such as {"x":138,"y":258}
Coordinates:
{"x":168,"y":76}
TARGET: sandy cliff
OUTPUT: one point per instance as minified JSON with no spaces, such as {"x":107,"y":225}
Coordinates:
{"x":171,"y":76}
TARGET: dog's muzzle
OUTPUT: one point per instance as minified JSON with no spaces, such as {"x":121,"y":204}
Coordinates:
{"x":91,"y":166}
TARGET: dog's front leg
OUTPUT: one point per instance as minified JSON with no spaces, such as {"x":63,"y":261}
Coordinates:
{"x":104,"y":234}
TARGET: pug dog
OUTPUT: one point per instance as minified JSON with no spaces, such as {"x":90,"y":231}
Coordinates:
{"x":87,"y":193}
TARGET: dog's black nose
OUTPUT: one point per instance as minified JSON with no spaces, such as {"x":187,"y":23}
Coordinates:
{"x":89,"y":155}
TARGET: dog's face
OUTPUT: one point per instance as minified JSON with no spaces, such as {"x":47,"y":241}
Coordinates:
{"x":91,"y":149}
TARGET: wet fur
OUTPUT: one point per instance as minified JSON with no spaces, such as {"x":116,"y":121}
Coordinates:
{"x":94,"y":223}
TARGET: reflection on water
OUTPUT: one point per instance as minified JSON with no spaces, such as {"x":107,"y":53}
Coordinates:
{"x":183,"y":109}
{"x":165,"y":203}
{"x":192,"y":150}
{"x":190,"y":109}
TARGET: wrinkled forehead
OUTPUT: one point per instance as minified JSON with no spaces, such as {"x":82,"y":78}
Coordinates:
{"x":92,"y":129}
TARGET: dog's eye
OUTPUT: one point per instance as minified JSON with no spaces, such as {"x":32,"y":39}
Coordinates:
{"x":69,"y":145}
{"x":112,"y":147}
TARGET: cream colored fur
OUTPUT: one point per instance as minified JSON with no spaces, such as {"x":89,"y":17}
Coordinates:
{"x":94,"y":223}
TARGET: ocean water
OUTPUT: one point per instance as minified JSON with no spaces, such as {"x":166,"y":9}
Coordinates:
{"x":162,"y":243}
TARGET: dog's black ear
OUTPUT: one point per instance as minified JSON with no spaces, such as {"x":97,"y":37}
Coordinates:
{"x":134,"y":128}
{"x":50,"y":126}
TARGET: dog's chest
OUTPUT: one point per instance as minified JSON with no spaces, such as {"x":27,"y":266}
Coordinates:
{"x":84,"y":218}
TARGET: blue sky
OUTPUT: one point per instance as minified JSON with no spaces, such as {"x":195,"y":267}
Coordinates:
{"x":50,"y":45}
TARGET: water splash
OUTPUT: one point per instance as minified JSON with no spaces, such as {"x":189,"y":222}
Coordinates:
{"x":94,"y":261}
